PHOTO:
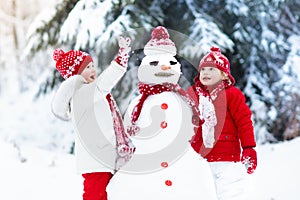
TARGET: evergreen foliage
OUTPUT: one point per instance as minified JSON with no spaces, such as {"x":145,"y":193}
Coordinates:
{"x":259,"y":38}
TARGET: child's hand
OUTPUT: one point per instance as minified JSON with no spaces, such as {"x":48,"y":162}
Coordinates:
{"x":125,"y":43}
{"x":123,"y":54}
{"x":249,"y":158}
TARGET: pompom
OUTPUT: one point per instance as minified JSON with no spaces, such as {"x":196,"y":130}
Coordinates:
{"x":58,"y":54}
{"x":215,"y":49}
{"x":160,"y":32}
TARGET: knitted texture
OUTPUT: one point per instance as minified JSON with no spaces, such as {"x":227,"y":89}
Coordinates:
{"x":160,"y":43}
{"x":249,"y":158}
{"x":124,"y":146}
{"x":207,"y":110}
{"x":123,"y":53}
{"x":216,"y":59}
{"x":72,"y":62}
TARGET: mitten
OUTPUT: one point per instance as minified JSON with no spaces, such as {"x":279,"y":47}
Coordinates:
{"x":249,"y":158}
{"x":123,"y":54}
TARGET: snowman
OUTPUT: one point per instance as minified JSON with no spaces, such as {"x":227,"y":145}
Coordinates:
{"x":160,"y":122}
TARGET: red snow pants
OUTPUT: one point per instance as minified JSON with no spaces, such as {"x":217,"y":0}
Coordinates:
{"x":94,"y":185}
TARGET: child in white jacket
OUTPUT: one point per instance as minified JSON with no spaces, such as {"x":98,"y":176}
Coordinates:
{"x":101,"y":145}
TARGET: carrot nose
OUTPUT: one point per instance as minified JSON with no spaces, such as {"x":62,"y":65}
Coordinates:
{"x":165,"y":67}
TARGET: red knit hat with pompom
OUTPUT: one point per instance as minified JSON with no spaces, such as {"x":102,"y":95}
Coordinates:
{"x":71,"y":63}
{"x":216,"y":59}
{"x":160,"y":42}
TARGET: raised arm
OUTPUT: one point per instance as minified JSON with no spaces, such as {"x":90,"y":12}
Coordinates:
{"x":110,"y":76}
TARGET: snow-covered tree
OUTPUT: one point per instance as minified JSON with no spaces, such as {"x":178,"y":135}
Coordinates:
{"x":258,"y":37}
{"x":15,"y":17}
{"x":24,"y":120}
{"x":260,"y":32}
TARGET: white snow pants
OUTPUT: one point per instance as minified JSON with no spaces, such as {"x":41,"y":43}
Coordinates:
{"x":230,"y":180}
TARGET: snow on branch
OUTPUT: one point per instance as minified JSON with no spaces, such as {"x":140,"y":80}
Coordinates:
{"x":85,"y":23}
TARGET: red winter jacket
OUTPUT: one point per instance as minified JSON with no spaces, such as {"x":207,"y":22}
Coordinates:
{"x":234,"y":127}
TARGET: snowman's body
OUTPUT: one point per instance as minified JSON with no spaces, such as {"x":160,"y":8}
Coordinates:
{"x":164,"y":167}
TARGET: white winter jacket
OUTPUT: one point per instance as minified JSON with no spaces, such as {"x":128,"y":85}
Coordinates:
{"x":87,"y":106}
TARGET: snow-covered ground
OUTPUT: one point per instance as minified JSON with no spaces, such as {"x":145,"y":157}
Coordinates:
{"x":37,"y":174}
{"x":36,"y":165}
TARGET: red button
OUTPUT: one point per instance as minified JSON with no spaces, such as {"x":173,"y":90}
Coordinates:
{"x":164,"y":106}
{"x":163,"y":124}
{"x":168,"y":182}
{"x":164,"y":164}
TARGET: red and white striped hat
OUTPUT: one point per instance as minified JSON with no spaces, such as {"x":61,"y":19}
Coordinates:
{"x":72,"y":62}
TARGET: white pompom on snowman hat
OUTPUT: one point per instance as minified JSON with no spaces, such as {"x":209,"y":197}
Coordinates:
{"x":160,"y":43}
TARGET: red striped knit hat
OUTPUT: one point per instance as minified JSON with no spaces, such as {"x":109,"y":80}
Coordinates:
{"x":216,"y":59}
{"x":160,"y":42}
{"x":71,"y":63}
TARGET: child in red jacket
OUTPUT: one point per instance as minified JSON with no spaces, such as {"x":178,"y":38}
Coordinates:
{"x":226,"y":137}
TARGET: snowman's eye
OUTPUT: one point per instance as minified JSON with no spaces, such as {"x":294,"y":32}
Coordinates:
{"x":154,"y":63}
{"x":173,"y":62}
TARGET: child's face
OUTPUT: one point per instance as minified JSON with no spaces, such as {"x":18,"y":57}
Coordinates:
{"x":210,"y":76}
{"x":89,"y":73}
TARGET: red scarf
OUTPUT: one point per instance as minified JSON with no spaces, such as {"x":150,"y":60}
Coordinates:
{"x":202,"y":90}
{"x":207,"y":110}
{"x":125,"y":148}
{"x":146,"y":90}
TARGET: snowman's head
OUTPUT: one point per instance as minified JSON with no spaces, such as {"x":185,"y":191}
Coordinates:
{"x":159,"y":65}
{"x":159,"y":68}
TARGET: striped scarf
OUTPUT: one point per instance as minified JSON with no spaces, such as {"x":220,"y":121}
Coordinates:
{"x":207,"y":109}
{"x":125,"y":148}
